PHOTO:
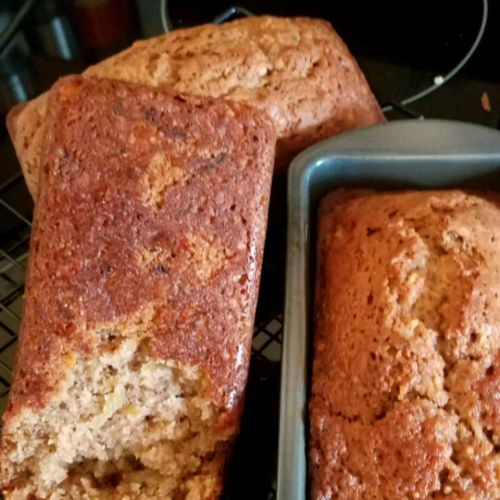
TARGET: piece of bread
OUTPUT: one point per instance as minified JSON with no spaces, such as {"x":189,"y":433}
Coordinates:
{"x":298,"y":70}
{"x":406,"y":375}
{"x":140,"y":300}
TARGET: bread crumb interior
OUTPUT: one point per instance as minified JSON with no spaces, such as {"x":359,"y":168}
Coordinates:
{"x":121,"y":425}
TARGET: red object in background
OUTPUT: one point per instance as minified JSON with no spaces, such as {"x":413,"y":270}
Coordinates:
{"x":102,"y":23}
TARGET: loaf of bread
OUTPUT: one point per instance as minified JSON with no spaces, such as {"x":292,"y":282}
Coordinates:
{"x":406,"y":375}
{"x":141,"y":293}
{"x":297,"y":70}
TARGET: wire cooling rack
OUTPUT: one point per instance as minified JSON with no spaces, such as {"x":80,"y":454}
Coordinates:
{"x":251,"y":472}
{"x":15,"y":228}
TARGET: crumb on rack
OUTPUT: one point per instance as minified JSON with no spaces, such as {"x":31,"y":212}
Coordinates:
{"x":485,"y":102}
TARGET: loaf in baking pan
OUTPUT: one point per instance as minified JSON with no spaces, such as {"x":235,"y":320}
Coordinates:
{"x":406,"y":375}
{"x":298,"y":70}
{"x":140,"y":300}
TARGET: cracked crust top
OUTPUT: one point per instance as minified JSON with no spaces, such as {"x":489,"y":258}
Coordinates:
{"x":406,"y":372}
{"x":297,"y":70}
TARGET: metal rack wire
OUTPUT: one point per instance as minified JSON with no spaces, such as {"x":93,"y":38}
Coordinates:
{"x":14,"y":230}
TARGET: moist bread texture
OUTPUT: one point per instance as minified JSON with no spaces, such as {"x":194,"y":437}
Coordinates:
{"x":142,"y":284}
{"x":406,"y":375}
{"x":298,"y":70}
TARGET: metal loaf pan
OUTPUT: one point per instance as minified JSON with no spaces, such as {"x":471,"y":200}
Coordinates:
{"x":405,"y":154}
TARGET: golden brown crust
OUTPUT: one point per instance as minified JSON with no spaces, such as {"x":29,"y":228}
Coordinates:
{"x":298,"y":70}
{"x":12,"y":116}
{"x":407,"y":330}
{"x":115,"y":237}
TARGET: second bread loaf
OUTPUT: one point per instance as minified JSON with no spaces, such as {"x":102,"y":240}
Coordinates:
{"x":297,"y":70}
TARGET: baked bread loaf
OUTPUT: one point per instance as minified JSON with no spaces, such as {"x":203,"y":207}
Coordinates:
{"x":297,"y":70}
{"x":142,"y":285}
{"x":406,"y":376}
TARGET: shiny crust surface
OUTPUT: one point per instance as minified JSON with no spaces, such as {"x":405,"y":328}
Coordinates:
{"x":406,"y":374}
{"x":298,"y":70}
{"x":152,"y":211}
